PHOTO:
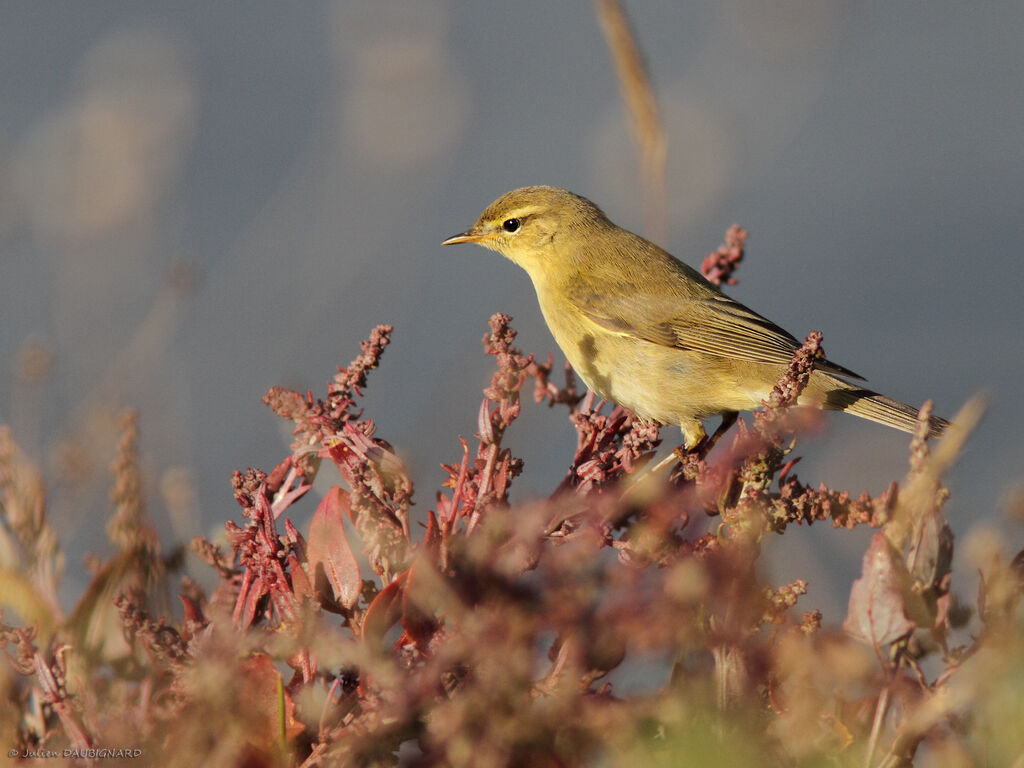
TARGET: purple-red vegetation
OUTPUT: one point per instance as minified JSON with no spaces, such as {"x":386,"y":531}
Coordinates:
{"x":622,"y":620}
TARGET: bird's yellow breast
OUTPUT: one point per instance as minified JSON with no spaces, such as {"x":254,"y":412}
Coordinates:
{"x":668,"y":385}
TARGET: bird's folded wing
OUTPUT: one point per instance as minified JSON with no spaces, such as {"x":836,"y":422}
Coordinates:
{"x":715,"y":325}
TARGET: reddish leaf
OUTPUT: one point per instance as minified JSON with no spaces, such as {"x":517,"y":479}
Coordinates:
{"x":292,"y":535}
{"x":432,"y":538}
{"x":263,"y":690}
{"x":328,"y":554}
{"x":877,"y":613}
{"x":277,"y":475}
{"x":252,"y":600}
{"x":385,"y":609}
{"x":418,"y":619}
{"x":300,"y":580}
{"x":193,"y":610}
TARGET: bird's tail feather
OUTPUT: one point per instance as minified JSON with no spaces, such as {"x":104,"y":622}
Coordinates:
{"x":881,"y":409}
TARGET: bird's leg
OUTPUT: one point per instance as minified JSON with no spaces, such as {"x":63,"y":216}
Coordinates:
{"x":694,"y":440}
{"x":693,"y":436}
{"x":672,"y":457}
{"x":728,"y":419}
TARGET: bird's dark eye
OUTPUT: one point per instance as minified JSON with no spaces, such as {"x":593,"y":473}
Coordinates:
{"x":511,"y":225}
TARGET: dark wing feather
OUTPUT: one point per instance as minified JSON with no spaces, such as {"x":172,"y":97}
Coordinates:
{"x":712,"y":323}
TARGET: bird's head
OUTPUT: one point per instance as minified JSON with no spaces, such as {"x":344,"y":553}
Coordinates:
{"x":536,"y":227}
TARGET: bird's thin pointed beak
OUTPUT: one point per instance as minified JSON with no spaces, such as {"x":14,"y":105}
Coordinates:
{"x":469,"y":236}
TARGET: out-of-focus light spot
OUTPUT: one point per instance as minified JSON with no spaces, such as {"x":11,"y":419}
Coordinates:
{"x":102,"y":159}
{"x":404,"y":98}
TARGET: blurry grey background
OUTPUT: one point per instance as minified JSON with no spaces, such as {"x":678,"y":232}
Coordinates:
{"x":201,"y":200}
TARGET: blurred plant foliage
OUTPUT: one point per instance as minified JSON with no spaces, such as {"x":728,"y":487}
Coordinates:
{"x":483,"y":634}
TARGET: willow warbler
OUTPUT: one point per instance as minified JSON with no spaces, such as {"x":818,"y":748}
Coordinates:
{"x":647,"y":331}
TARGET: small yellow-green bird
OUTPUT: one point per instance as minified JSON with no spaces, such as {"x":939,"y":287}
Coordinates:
{"x":648,"y":332}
